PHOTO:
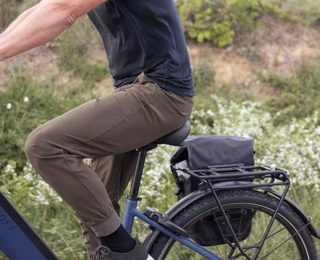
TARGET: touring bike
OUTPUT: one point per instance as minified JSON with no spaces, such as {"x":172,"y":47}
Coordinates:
{"x":228,"y":208}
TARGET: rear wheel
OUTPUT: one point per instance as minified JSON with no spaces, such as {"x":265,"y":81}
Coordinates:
{"x":249,"y":213}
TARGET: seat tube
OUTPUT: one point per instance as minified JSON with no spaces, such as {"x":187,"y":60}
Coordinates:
{"x":138,"y":174}
{"x":132,"y":199}
{"x":128,"y":216}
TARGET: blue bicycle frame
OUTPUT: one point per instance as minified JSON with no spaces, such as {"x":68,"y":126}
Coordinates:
{"x":19,"y":242}
{"x":131,"y":212}
{"x":131,"y":209}
{"x":17,"y":239}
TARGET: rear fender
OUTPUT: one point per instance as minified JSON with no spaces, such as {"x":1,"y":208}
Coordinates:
{"x":194,"y":196}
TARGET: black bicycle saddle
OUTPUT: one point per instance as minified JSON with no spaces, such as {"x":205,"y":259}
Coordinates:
{"x":176,"y":137}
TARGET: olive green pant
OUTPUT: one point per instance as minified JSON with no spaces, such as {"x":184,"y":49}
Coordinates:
{"x":108,"y":129}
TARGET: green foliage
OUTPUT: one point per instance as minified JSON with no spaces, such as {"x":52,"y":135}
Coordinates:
{"x":203,"y":77}
{"x":51,"y":218}
{"x":218,"y":21}
{"x":73,"y":55}
{"x":286,"y":130}
{"x":299,"y":96}
{"x":205,"y":85}
{"x":293,"y":146}
{"x":25,"y":106}
{"x":306,"y":12}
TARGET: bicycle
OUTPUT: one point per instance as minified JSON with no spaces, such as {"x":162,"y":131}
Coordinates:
{"x":219,"y":219}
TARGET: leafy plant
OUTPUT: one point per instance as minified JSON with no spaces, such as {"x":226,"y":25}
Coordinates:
{"x":218,"y":21}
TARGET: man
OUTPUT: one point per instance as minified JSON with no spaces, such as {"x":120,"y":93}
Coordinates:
{"x":153,"y":96}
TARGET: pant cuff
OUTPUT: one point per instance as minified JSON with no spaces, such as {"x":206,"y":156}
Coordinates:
{"x":107,"y":226}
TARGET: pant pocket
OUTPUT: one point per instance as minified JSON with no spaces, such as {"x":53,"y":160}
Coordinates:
{"x":182,"y":104}
{"x":135,"y":98}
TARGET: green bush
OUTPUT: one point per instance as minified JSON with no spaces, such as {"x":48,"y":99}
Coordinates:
{"x":299,"y":95}
{"x":218,"y":21}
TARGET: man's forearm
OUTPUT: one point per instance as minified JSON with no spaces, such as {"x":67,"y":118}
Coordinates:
{"x":13,"y":25}
{"x":47,"y":21}
{"x":44,"y":24}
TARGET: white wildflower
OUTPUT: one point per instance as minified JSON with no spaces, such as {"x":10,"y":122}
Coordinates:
{"x":26,"y":100}
{"x":9,"y":106}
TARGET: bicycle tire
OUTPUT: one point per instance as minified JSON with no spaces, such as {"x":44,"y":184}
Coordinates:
{"x":248,"y":199}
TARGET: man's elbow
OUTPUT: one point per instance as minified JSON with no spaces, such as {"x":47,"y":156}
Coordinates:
{"x":70,"y":19}
{"x":63,"y":12}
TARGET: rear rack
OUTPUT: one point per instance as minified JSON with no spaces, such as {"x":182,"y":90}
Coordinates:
{"x":244,"y":175}
{"x":229,"y":177}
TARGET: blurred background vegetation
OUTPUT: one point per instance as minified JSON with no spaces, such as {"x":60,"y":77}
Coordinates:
{"x":256,"y":71}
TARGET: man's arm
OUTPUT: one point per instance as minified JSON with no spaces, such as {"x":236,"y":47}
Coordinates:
{"x":23,"y":16}
{"x":46,"y":22}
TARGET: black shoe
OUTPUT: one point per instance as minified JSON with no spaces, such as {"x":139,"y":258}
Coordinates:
{"x":138,"y":253}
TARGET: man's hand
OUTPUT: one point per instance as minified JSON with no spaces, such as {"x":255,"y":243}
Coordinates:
{"x":44,"y":23}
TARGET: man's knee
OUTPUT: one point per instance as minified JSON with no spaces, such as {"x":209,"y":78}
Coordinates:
{"x":39,"y":144}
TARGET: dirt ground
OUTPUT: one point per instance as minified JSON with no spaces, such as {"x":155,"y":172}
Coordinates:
{"x":277,"y":46}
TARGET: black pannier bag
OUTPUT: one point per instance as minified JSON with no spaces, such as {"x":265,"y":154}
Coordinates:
{"x":203,"y":152}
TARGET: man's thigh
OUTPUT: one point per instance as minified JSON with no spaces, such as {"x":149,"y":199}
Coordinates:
{"x":133,"y":116}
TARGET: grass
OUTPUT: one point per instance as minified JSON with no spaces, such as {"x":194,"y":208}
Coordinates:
{"x":17,"y":122}
{"x":299,"y":96}
{"x":56,"y":223}
{"x":306,"y":11}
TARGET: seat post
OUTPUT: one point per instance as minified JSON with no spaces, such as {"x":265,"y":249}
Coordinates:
{"x":133,"y":195}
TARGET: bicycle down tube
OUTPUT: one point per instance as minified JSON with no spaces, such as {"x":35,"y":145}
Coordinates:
{"x":17,"y":239}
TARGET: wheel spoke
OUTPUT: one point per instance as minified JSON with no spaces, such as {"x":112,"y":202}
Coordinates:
{"x":284,"y":241}
{"x":246,"y":248}
{"x":248,"y":214}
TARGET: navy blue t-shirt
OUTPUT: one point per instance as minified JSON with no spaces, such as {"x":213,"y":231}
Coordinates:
{"x":144,"y":36}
